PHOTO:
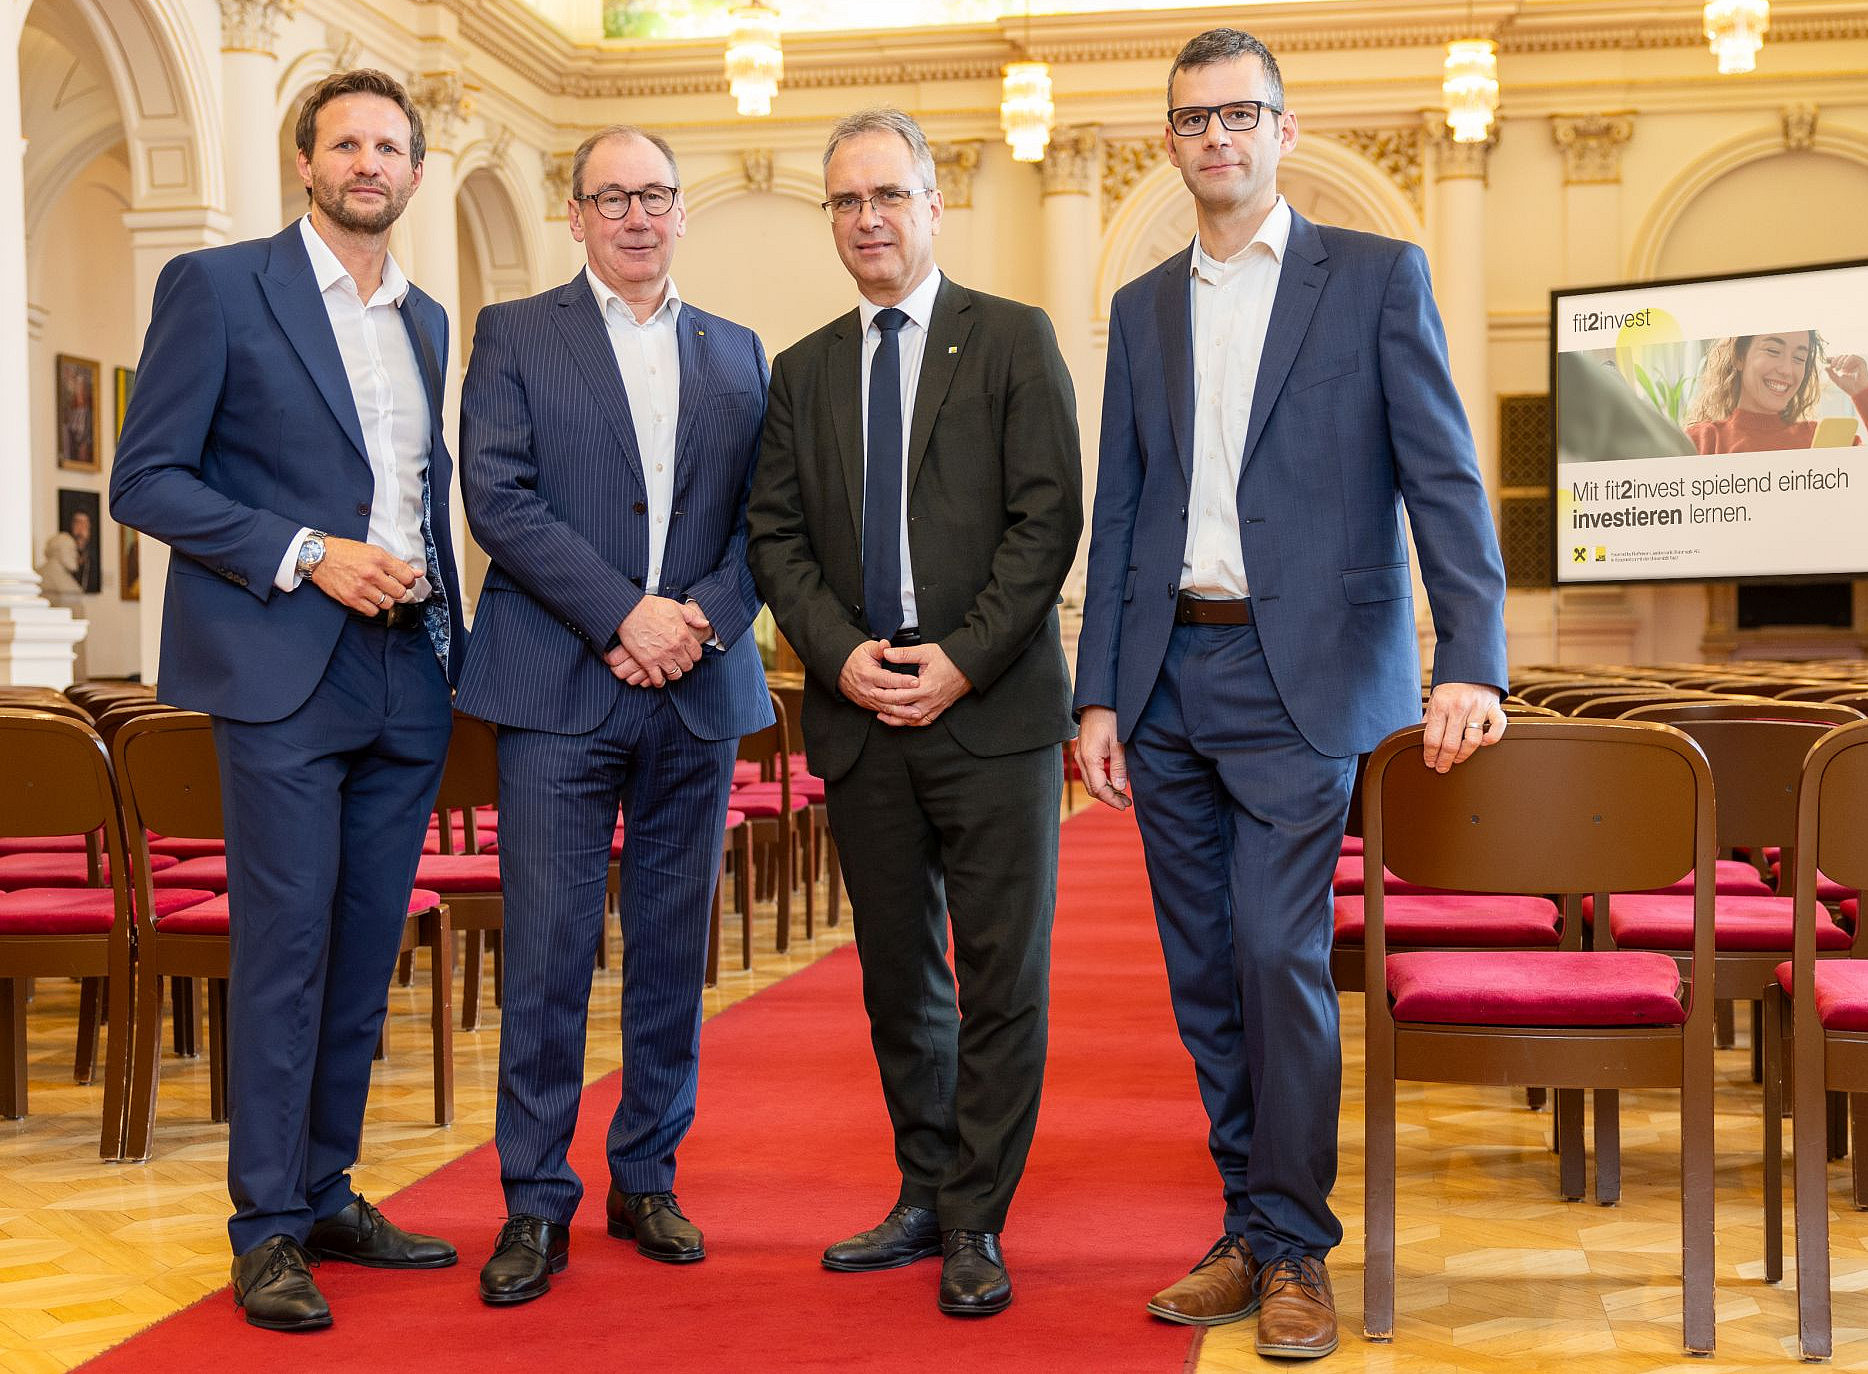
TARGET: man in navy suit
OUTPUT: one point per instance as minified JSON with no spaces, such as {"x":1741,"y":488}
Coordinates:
{"x":608,"y":434}
{"x":1275,"y":393}
{"x":285,"y":441}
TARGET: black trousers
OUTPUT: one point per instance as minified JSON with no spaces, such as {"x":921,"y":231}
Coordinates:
{"x":929,"y":833}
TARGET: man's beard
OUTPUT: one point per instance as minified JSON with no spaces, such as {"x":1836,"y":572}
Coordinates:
{"x":330,"y":198}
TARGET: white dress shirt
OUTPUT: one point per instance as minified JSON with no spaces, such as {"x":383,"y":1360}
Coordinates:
{"x":1231,"y":304}
{"x":648,"y":356}
{"x":392,"y":406}
{"x":911,"y":342}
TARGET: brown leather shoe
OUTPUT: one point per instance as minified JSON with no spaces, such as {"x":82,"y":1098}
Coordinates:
{"x":1297,"y":1311}
{"x":1222,"y":1287}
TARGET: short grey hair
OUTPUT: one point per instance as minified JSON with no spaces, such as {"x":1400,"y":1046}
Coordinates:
{"x":581,"y":158}
{"x":880,"y":119}
{"x":1225,"y":45}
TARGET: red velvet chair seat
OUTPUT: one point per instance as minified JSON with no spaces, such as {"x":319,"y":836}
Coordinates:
{"x":1827,"y":888}
{"x":734,"y":820}
{"x":209,"y":871}
{"x":42,"y":844}
{"x":1851,"y":912}
{"x":210,"y":917}
{"x":186,"y":847}
{"x":1352,"y":844}
{"x":1348,"y":881}
{"x":745,"y":771}
{"x":62,"y":870}
{"x":1647,"y":920}
{"x":459,"y":872}
{"x":1841,"y":992}
{"x":1733,"y":878}
{"x":1456,"y":919}
{"x":759,"y":804}
{"x":76,"y":910}
{"x":1542,"y":988}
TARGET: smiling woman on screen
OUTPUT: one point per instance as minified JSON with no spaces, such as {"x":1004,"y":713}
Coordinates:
{"x":1759,"y":393}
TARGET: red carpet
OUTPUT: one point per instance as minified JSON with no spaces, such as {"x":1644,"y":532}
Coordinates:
{"x":791,"y":1151}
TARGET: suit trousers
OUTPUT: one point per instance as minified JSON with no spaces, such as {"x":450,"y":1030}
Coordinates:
{"x":1242,"y":824}
{"x":929,"y":834}
{"x":325,"y":813}
{"x":558,"y":800}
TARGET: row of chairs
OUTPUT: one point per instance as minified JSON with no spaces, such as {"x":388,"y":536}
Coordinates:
{"x":1531,"y":924}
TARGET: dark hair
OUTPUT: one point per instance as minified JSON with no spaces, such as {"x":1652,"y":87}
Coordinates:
{"x":581,"y":158}
{"x":362,"y":81}
{"x":1223,"y":45}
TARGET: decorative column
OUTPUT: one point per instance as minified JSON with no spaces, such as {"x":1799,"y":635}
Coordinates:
{"x":1071,"y":229}
{"x":434,"y":239}
{"x":36,"y":638}
{"x":1457,"y":219}
{"x":249,"y":83}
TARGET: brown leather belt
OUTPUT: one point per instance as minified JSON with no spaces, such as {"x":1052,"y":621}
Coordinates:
{"x":1195,"y":610}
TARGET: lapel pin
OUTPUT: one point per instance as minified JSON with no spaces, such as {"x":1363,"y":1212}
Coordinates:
{"x":953,"y":348}
{"x":701,"y":332}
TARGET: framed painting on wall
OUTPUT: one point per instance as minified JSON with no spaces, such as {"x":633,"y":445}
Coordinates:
{"x":77,"y":413}
{"x":74,"y":547}
{"x":126,"y":383}
{"x":129,"y":564}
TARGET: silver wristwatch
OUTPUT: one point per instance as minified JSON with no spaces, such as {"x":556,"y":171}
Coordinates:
{"x":310,"y":553}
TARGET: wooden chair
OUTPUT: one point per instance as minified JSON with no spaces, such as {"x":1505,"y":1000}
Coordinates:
{"x":59,"y":782}
{"x":1555,"y":807}
{"x":770,"y":810}
{"x":823,"y":844}
{"x":469,"y":882}
{"x":1825,"y":1039}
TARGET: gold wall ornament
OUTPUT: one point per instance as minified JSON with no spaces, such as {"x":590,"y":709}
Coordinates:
{"x":556,"y":168}
{"x":756,"y":163}
{"x":1469,"y":88}
{"x":954,"y":167}
{"x":1125,"y":162}
{"x":1592,"y":146}
{"x":253,"y":25}
{"x":1453,"y":160}
{"x":1735,"y":31}
{"x":1799,"y":128}
{"x":1069,"y":167}
{"x":755,"y":58}
{"x":445,"y":102}
{"x":1025,"y":109}
{"x":1397,"y":152}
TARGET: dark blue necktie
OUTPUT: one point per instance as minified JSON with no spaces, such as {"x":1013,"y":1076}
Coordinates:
{"x":882,"y":482}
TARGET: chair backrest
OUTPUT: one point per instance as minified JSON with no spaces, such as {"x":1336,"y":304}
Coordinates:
{"x":1755,"y":708}
{"x":1566,"y":699}
{"x":1832,"y":838}
{"x":766,"y":747}
{"x":1556,"y":806}
{"x":1536,"y":692}
{"x":470,"y":777}
{"x":111,"y":718}
{"x":790,"y":697}
{"x":1523,"y":710}
{"x":1614,"y":706}
{"x":58,"y":780}
{"x":170,"y":776}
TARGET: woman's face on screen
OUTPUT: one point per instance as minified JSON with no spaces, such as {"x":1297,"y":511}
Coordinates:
{"x":1773,"y":368}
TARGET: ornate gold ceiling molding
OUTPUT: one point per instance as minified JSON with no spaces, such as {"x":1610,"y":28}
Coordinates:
{"x":1397,"y":152}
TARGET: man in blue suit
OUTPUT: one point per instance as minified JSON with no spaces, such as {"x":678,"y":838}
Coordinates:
{"x":286,"y":443}
{"x":1275,"y":393}
{"x":608,"y":434}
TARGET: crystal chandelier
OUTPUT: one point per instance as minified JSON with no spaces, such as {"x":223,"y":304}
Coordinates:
{"x":1735,"y":31}
{"x":755,"y":63}
{"x":1025,"y":109}
{"x":1470,"y":88}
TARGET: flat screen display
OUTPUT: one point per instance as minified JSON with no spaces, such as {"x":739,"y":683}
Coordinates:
{"x":1712,"y":428}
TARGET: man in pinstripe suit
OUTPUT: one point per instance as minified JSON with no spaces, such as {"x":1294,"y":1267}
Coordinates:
{"x":608,"y":434}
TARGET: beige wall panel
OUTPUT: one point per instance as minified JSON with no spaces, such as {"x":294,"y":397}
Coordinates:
{"x":1795,"y":207}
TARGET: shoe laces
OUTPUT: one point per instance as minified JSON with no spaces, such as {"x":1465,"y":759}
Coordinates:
{"x":518,"y":1230}
{"x":651,"y":1202}
{"x":1226,"y":1246}
{"x":976,"y":1241}
{"x":285,"y":1258}
{"x":1306,"y":1271}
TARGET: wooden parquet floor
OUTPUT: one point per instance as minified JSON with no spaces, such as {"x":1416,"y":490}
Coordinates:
{"x":1495,"y":1273}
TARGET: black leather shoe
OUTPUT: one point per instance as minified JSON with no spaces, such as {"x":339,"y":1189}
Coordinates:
{"x":905,"y":1235}
{"x":528,"y":1252}
{"x":272,"y":1282}
{"x":973,"y":1281}
{"x":362,"y":1235}
{"x":657,"y":1225}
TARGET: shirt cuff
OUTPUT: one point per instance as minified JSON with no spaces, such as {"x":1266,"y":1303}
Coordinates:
{"x":287,"y":578}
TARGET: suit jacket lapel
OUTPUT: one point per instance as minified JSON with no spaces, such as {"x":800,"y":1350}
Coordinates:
{"x":691,"y":343}
{"x":948,"y":327}
{"x":845,"y":380}
{"x":291,"y":292}
{"x":1300,"y":284}
{"x":581,"y":323}
{"x":430,"y":364}
{"x":1174,"y":319}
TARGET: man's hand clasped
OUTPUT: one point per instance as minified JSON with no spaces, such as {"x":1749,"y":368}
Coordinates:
{"x":658,"y":641}
{"x":899,"y":698}
{"x":363,"y":577}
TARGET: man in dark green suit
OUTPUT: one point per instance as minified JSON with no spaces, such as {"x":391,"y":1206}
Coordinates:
{"x":916,"y":508}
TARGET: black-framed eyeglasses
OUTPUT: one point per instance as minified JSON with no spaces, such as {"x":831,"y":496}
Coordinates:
{"x":613,"y":203}
{"x":886,"y":201}
{"x":1238,"y":116}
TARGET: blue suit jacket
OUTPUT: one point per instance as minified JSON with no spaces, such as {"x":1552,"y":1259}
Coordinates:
{"x":1354,"y":412}
{"x":554,"y":488}
{"x":243,"y":430}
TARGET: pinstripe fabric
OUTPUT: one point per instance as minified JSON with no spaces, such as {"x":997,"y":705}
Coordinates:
{"x":555,"y":492}
{"x":557,"y":798}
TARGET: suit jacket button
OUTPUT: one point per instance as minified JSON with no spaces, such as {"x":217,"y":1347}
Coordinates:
{"x":640,"y":508}
{"x":363,"y":508}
